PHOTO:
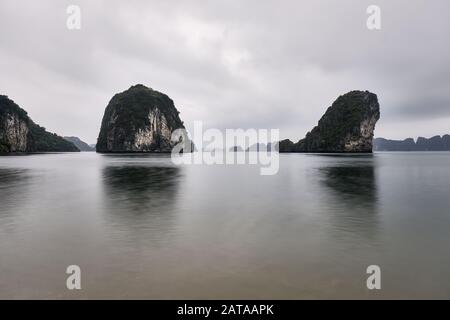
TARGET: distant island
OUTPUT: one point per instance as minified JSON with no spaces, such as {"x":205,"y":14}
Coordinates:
{"x":236,"y":149}
{"x":18,"y":133}
{"x":347,"y":126}
{"x":83,"y":146}
{"x":257,"y":147}
{"x":436,"y":143}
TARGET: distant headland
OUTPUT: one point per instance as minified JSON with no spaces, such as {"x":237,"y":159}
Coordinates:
{"x":436,"y":143}
{"x":81,"y":145}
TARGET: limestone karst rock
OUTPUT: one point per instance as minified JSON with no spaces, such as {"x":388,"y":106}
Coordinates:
{"x":139,"y":119}
{"x":18,"y":133}
{"x":347,"y":126}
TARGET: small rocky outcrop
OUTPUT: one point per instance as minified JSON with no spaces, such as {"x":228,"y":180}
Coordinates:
{"x":347,"y":126}
{"x":139,"y":119}
{"x":18,"y":133}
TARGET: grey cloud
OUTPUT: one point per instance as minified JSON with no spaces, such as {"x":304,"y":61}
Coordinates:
{"x":229,"y":63}
{"x":423,"y":109}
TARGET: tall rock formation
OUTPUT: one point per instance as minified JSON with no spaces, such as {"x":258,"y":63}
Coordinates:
{"x":139,"y":119}
{"x":18,"y":133}
{"x":347,"y":126}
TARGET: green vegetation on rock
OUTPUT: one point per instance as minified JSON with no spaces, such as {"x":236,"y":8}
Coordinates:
{"x":346,"y":126}
{"x":139,"y":119}
{"x":18,"y":133}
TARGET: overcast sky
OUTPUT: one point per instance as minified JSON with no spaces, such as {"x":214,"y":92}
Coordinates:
{"x":231,"y":64}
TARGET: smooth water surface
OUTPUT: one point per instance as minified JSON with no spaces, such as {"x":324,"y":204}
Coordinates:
{"x":141,"y":227}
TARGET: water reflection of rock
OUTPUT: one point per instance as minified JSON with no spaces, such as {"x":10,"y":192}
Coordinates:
{"x":8,"y":175}
{"x":140,"y":197}
{"x":352,"y":193}
{"x":355,"y":185}
{"x":14,"y":185}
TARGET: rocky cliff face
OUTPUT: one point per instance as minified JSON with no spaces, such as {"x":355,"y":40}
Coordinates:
{"x":139,"y":119}
{"x":18,"y":133}
{"x":13,"y":132}
{"x":347,"y":126}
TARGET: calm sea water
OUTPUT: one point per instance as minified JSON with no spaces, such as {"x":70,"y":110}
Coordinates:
{"x":140,"y":227}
